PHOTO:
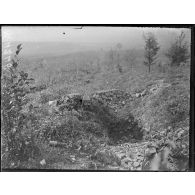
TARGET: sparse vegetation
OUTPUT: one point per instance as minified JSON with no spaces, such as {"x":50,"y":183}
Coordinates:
{"x":78,"y":112}
{"x":18,"y":126}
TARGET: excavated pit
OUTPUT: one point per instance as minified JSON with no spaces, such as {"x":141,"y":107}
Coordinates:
{"x":101,"y":107}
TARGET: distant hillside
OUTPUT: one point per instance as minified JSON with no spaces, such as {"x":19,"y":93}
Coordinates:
{"x":128,"y":40}
{"x":45,"y":49}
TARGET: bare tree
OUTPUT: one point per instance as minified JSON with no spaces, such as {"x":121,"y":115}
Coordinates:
{"x":119,"y":46}
{"x":111,"y":56}
{"x":130,"y":58}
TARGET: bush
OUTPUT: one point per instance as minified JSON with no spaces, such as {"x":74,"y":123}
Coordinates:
{"x":178,"y":52}
{"x":18,"y":127}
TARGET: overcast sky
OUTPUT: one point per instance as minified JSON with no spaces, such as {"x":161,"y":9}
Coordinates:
{"x":87,"y":34}
{"x":60,"y":40}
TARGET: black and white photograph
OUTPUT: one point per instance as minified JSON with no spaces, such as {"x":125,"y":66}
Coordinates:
{"x":95,"y":98}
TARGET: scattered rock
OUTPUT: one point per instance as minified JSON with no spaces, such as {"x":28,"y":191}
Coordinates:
{"x":144,"y":93}
{"x":180,"y":133}
{"x":43,"y":162}
{"x":52,"y":103}
{"x":72,"y":157}
{"x":121,"y":155}
{"x":150,"y":151}
{"x":136,"y":164}
{"x":137,"y":95}
{"x":57,"y":144}
{"x":53,"y":143}
{"x":139,"y":168}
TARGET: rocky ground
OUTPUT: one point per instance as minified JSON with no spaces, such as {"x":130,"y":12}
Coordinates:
{"x":125,"y":153}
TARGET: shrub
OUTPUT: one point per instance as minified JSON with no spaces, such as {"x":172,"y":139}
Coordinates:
{"x":178,"y":52}
{"x":17,"y":126}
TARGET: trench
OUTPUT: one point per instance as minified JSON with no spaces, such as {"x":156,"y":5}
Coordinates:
{"x":118,"y":129}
